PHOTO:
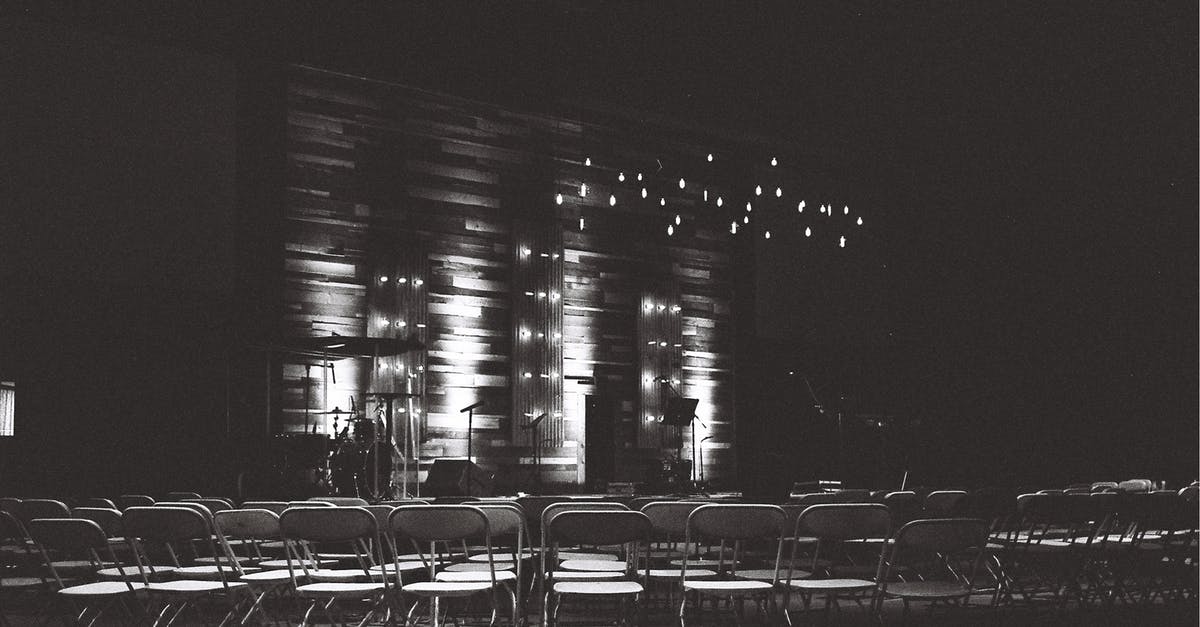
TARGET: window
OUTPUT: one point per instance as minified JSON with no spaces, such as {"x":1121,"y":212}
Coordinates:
{"x":8,"y":393}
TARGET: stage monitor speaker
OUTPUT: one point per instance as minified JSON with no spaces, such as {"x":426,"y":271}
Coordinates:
{"x":457,"y":477}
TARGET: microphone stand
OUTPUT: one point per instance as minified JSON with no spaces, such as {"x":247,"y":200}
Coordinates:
{"x":667,"y":382}
{"x":470,"y":411}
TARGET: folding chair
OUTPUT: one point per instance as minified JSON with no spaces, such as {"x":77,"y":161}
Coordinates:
{"x":19,"y":575}
{"x":739,"y":525}
{"x":250,"y":528}
{"x":342,"y":501}
{"x":80,"y":538}
{"x":429,"y":524}
{"x":832,"y":525}
{"x":301,"y":527}
{"x":173,"y":528}
{"x":506,"y":525}
{"x":942,"y":503}
{"x":125,"y":501}
{"x":668,"y":520}
{"x":275,"y":506}
{"x":631,"y":531}
{"x":945,"y":553}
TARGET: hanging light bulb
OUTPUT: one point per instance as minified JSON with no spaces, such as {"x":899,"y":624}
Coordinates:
{"x":612,"y":200}
{"x":842,"y":241}
{"x":746,"y":219}
{"x":678,"y":219}
{"x":733,"y":227}
{"x":558,"y":199}
{"x":621,"y":177}
{"x":581,"y":223}
{"x":800,"y":207}
{"x":774,"y":162}
{"x":644,"y":193}
{"x":719,"y":201}
{"x":845,"y":211}
{"x":662,"y":202}
{"x":767,"y":235}
{"x":859,"y":222}
{"x":807,"y":231}
{"x":670,"y":229}
{"x":639,"y":176}
{"x":383,"y":279}
{"x":779,"y":192}
{"x":583,"y":189}
{"x":710,"y":157}
{"x":681,"y":183}
{"x":587,"y":161}
{"x":758,"y":190}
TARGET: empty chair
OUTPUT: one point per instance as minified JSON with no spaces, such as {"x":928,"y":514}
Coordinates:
{"x":28,"y":509}
{"x":737,"y":526}
{"x":301,"y":527}
{"x":946,"y":553}
{"x":833,"y":525}
{"x":427,"y":525}
{"x":252,"y":527}
{"x":631,"y":531}
{"x":173,"y":528}
{"x":83,"y":541}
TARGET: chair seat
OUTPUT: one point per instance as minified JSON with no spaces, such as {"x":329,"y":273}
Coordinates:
{"x":101,"y":588}
{"x":675,"y":573}
{"x":598,"y":587}
{"x":446,"y":588}
{"x":21,"y":582}
{"x":192,"y":586}
{"x":131,"y":572}
{"x":241,"y":560}
{"x":928,"y":590}
{"x":209,"y":572}
{"x":269,"y":576}
{"x":719,"y":586}
{"x":498,"y":556}
{"x":270,"y":564}
{"x":767,"y":574}
{"x":337,"y":590}
{"x":475,"y":575}
{"x":585,"y":575}
{"x":337,"y":574}
{"x":593,"y":565}
{"x":391,"y":567}
{"x":833,"y":585}
{"x":701,"y":563}
{"x":467,"y":567}
{"x":77,"y":565}
{"x":579,"y":555}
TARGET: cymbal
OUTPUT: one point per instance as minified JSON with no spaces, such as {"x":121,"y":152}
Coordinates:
{"x":387,"y":395}
{"x":340,"y":346}
{"x":335,"y":411}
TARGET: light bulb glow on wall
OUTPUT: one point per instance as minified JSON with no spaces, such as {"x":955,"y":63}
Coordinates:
{"x":678,"y":219}
{"x":644,"y":192}
{"x":558,"y":199}
{"x":807,"y":231}
{"x":774,"y":162}
{"x":779,"y":192}
{"x":670,"y":229}
{"x":720,"y":201}
{"x":583,"y":189}
{"x":621,"y":177}
{"x":767,"y":235}
{"x":612,"y":200}
{"x":587,"y":161}
{"x":710,"y":157}
{"x":859,"y":222}
{"x":383,"y":279}
{"x":758,"y":190}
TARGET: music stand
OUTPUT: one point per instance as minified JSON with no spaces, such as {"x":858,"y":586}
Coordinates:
{"x":680,"y":413}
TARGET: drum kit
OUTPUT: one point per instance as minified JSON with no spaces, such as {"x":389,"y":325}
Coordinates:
{"x":359,"y":456}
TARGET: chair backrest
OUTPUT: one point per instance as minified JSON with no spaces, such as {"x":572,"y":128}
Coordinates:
{"x":720,"y":521}
{"x":29,"y":509}
{"x":399,"y":502}
{"x":108,"y":519}
{"x":815,"y":498}
{"x":9,"y":504}
{"x":941,"y":503}
{"x":597,"y":527}
{"x":321,"y":503}
{"x":247,"y":524}
{"x":903,"y":505}
{"x":68,"y":534}
{"x":274,"y":506}
{"x":214,"y":505}
{"x":199,"y":508}
{"x":1190,"y":493}
{"x":555,"y":509}
{"x":179,"y":496}
{"x":942,"y":535}
{"x":125,"y":501}
{"x":97,"y":502}
{"x":845,"y":521}
{"x":439,"y":523}
{"x":327,"y":524}
{"x":670,"y":518}
{"x":342,"y":501}
{"x":1136,"y":485}
{"x":166,"y":524}
{"x":11,"y":530}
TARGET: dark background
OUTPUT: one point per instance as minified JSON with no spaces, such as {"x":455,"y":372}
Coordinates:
{"x":1022,"y":308}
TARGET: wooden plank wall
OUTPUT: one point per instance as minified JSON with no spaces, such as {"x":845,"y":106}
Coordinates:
{"x":531,"y":255}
